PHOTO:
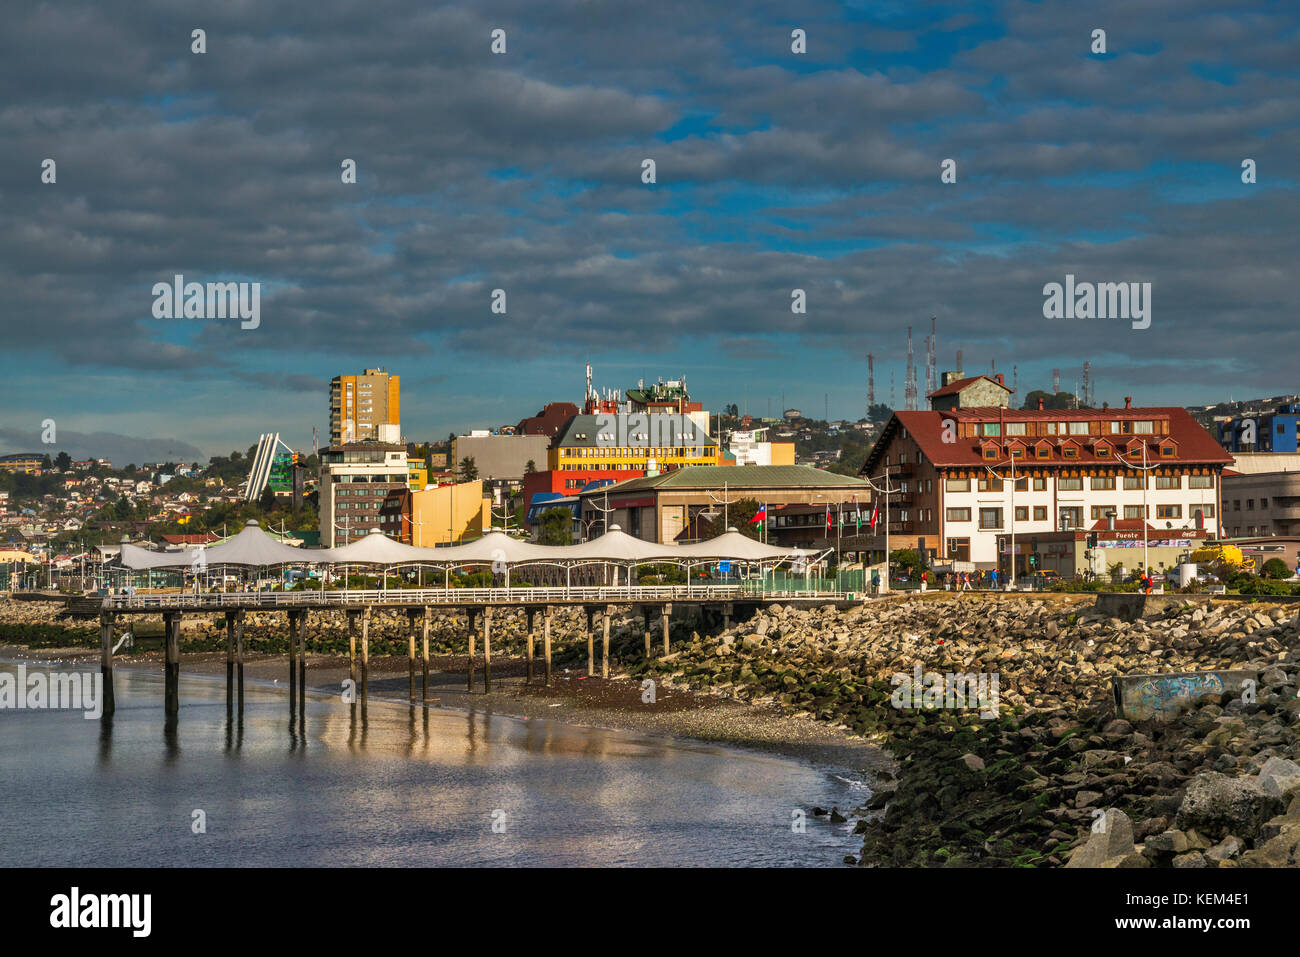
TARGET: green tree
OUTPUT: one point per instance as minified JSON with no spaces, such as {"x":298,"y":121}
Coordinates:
{"x":1275,"y":568}
{"x":46,"y":464}
{"x":879,"y":412}
{"x":266,"y":501}
{"x":738,"y":514}
{"x":530,"y":467}
{"x":908,"y":561}
{"x":468,"y":470}
{"x":63,"y":461}
{"x":556,"y":527}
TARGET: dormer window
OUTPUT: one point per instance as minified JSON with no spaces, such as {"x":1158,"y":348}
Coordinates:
{"x":1070,"y":452}
{"x":1043,"y":452}
{"x":990,"y":452}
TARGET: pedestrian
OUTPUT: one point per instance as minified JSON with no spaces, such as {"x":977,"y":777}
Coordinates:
{"x":875,"y":581}
{"x":993,"y":579}
{"x":924,"y":582}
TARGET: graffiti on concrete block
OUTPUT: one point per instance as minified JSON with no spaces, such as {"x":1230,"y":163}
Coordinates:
{"x":1139,"y":697}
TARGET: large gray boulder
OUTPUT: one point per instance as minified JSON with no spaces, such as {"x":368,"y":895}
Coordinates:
{"x":1110,"y":843}
{"x":1217,"y":805}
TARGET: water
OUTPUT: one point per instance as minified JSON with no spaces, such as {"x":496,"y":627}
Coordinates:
{"x":394,"y":789}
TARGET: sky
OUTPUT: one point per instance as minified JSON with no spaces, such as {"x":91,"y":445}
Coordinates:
{"x":523,"y":171}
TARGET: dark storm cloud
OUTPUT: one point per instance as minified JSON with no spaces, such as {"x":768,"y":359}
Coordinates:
{"x":522,"y":172}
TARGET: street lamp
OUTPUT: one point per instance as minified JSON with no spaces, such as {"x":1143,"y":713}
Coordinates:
{"x":886,"y":492}
{"x":1145,"y":514}
{"x":1012,"y":556}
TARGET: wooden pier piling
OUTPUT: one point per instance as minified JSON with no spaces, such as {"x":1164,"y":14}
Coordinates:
{"x":604,"y":642}
{"x":230,"y":661}
{"x":591,"y":644}
{"x":487,"y":649}
{"x":411,"y":614}
{"x":106,"y":659}
{"x":546,"y":642}
{"x":424,"y":686}
{"x":172,"y":668}
{"x":470,"y":685}
{"x":667,"y":616}
{"x":532,"y":618}
{"x":365,"y":651}
{"x":239,"y":659}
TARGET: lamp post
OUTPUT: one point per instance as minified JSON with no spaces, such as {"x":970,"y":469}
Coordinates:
{"x":1145,"y":514}
{"x":1012,"y":527}
{"x":886,"y":492}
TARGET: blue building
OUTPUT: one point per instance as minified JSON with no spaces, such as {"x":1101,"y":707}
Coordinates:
{"x":1272,"y":431}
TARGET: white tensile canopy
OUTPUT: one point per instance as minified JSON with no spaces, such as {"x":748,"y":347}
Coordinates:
{"x":252,"y":547}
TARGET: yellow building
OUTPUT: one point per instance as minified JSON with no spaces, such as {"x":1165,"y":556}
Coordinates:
{"x":10,"y":555}
{"x":442,"y":514}
{"x":620,"y":442}
{"x":782,"y":453}
{"x":360,"y":404}
{"x":417,"y":475}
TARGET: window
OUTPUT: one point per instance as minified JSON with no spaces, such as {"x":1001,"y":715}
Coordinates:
{"x":1200,"y":481}
{"x":1103,"y":483}
{"x":1114,"y":428}
{"x":1169,"y":511}
{"x":1017,"y":452}
{"x":989,"y":484}
{"x":1169,"y":481}
{"x":1071,"y":516}
{"x":1102,"y":512}
{"x":959,"y":515}
{"x":1040,"y":483}
{"x":990,"y":428}
{"x":1144,"y":428}
{"x":1015,"y":428}
{"x":990,"y":518}
{"x":1070,"y":452}
{"x":1043,"y":452}
{"x":991,"y":453}
{"x":1250,"y":505}
{"x":902,"y":458}
{"x":1040,"y":513}
{"x":1071,"y":484}
{"x":1103,"y":451}
{"x":1052,"y":428}
{"x":1263,"y":503}
{"x":956,"y":485}
{"x":1167,"y":451}
{"x":1236,"y":505}
{"x":1078,"y":428}
{"x":1022,"y":513}
{"x":1208,"y":510}
{"x":1132,"y":482}
{"x":1132,"y":511}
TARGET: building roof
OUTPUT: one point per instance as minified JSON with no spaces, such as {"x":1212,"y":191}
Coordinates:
{"x":955,"y":387}
{"x":738,"y":477}
{"x":549,"y":420}
{"x":584,"y":431}
{"x":1193,"y":445}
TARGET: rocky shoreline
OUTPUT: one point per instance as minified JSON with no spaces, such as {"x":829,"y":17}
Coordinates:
{"x":1056,"y":779}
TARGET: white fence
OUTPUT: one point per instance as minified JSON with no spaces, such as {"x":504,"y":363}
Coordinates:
{"x":428,"y":596}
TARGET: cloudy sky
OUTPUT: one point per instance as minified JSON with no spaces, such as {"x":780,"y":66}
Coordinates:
{"x":523,"y":172}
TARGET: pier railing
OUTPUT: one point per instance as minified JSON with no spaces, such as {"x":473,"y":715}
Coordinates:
{"x":595,"y":594}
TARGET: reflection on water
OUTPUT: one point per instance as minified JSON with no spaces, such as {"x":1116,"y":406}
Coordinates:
{"x":334,"y":784}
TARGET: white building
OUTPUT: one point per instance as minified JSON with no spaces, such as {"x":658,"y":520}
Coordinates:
{"x":1073,"y":471}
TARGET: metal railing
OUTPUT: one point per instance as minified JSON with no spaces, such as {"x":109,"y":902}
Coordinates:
{"x":595,"y":594}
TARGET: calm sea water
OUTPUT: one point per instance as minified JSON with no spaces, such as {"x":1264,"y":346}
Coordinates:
{"x":395,"y":789}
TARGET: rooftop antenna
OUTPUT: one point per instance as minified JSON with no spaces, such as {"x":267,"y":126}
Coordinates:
{"x":909,"y":385}
{"x":932,"y":361}
{"x":871,"y":383}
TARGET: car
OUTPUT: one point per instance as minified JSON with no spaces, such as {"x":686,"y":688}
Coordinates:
{"x":1047,"y":574}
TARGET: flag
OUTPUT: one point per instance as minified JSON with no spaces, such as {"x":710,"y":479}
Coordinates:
{"x":857,"y":513}
{"x":760,"y":516}
{"x":829,"y":526}
{"x":875,"y":514}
